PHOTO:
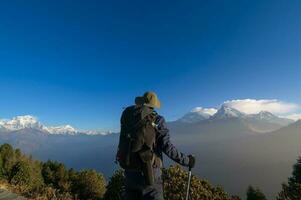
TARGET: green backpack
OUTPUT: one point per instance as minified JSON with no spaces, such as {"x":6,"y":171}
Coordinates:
{"x":137,"y":140}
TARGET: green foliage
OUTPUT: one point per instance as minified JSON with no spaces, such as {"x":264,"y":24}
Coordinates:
{"x":115,"y":188}
{"x":26,"y":174}
{"x":56,"y":175}
{"x":18,"y":154}
{"x":19,"y":170}
{"x":36,"y":174}
{"x":90,"y":185}
{"x":7,"y":159}
{"x":175,"y":181}
{"x":52,"y":180}
{"x":49,"y":180}
{"x":2,"y":173}
{"x":255,"y":194}
{"x":297,"y":172}
{"x":21,"y":173}
{"x":292,"y":190}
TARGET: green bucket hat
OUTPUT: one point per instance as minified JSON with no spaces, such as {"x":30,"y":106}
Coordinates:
{"x":149,"y":99}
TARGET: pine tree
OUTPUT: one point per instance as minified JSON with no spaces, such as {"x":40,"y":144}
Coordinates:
{"x":255,"y":194}
{"x":2,"y":173}
{"x":26,"y":174}
{"x":8,"y":159}
{"x":21,"y":174}
{"x":18,"y":154}
{"x":115,"y":188}
{"x":292,"y":190}
{"x":56,"y":175}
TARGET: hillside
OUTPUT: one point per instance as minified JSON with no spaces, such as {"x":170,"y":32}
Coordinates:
{"x":38,"y":180}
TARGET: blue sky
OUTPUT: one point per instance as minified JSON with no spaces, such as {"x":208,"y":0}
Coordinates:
{"x":81,"y":62}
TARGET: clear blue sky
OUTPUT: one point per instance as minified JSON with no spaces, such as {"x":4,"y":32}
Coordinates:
{"x":80,"y":62}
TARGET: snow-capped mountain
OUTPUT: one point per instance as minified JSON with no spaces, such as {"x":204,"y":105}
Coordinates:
{"x":21,"y":122}
{"x":198,"y":114}
{"x":64,"y":129}
{"x":95,"y":132}
{"x":226,"y":112}
{"x":268,"y":117}
{"x":264,"y":115}
{"x":31,"y":122}
{"x":261,"y":122}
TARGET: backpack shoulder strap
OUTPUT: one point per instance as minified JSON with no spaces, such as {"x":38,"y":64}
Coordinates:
{"x":146,"y":114}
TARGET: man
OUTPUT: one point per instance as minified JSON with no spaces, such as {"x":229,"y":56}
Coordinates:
{"x":144,"y":163}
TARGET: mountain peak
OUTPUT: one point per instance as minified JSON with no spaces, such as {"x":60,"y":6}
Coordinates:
{"x":198,"y":114}
{"x":266,"y":115}
{"x":64,"y":129}
{"x":227,"y":112}
{"x":269,"y":117}
{"x":21,"y":122}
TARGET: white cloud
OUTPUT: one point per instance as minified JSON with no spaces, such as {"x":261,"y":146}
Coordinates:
{"x":294,"y":116}
{"x":253,"y":106}
{"x":209,"y":111}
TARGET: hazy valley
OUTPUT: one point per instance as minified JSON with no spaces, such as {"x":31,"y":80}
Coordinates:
{"x":233,"y":149}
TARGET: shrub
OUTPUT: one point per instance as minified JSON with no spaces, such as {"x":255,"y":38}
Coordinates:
{"x":90,"y":185}
{"x":175,"y":181}
{"x":175,"y":184}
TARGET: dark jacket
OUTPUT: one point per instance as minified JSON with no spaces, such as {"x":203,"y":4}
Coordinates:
{"x":164,"y":145}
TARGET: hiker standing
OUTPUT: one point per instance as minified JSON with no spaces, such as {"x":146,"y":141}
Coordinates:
{"x":144,"y":138}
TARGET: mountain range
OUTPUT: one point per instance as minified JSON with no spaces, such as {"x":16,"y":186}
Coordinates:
{"x":233,"y":149}
{"x":261,"y":122}
{"x":264,"y":121}
{"x":31,"y":122}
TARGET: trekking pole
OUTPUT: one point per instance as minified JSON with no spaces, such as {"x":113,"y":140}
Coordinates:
{"x":188,"y":184}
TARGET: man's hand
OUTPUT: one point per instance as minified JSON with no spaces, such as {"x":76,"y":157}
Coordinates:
{"x":191,"y":161}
